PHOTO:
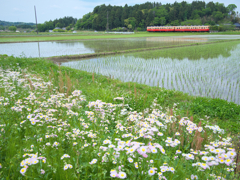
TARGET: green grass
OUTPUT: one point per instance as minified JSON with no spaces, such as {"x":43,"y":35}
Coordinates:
{"x":91,"y":35}
{"x":39,"y":124}
{"x":194,"y":52}
{"x":227,"y":116}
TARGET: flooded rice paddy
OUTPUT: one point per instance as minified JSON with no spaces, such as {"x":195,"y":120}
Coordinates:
{"x":214,"y":74}
{"x":59,"y":48}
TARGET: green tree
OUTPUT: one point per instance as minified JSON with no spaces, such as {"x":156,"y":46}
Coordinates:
{"x":162,"y":20}
{"x":68,"y":28}
{"x":231,"y":8}
{"x":149,"y":17}
{"x":60,"y":25}
{"x":217,"y":15}
{"x":142,"y":24}
{"x":12,"y":28}
{"x":130,"y":21}
{"x":130,"y":27}
{"x":156,"y":21}
{"x":191,"y":22}
{"x":42,"y":27}
{"x":49,"y":25}
{"x":175,"y":23}
{"x":161,"y":12}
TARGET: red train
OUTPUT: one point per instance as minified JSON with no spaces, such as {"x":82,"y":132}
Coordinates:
{"x":178,"y":28}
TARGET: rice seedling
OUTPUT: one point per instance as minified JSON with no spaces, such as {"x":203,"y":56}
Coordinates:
{"x":213,"y":77}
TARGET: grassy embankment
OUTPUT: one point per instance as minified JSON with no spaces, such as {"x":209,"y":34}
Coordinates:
{"x":198,"y":106}
{"x":91,"y":35}
{"x":225,"y":114}
{"x":51,"y":135}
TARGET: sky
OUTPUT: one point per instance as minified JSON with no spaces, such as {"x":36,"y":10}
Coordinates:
{"x":23,"y":10}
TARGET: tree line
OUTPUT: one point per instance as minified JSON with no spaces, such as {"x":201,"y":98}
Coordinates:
{"x":14,"y":25}
{"x":140,"y":16}
{"x":67,"y":22}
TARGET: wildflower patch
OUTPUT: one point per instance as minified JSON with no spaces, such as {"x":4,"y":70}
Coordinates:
{"x":47,"y":135}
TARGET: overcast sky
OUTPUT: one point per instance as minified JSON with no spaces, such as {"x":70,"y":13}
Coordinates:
{"x":23,"y":10}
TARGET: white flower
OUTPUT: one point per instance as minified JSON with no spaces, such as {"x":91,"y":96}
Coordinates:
{"x":231,"y":153}
{"x":130,"y":160}
{"x":177,"y":134}
{"x":189,"y":156}
{"x":172,"y":169}
{"x":94,"y":161}
{"x":154,"y":150}
{"x":163,"y":151}
{"x":178,"y":152}
{"x":151,"y":172}
{"x":194,"y":176}
{"x":65,"y":156}
{"x":65,"y":167}
{"x":204,"y":166}
{"x":131,"y":150}
{"x":55,"y":143}
{"x":228,"y":161}
{"x":122,"y":175}
{"x":23,"y":170}
{"x":113,"y":173}
{"x":160,"y":134}
{"x":205,"y":158}
{"x":143,"y":149}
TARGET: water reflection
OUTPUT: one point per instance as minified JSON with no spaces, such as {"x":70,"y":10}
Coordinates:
{"x":48,"y":49}
{"x":59,"y":48}
{"x":39,"y":49}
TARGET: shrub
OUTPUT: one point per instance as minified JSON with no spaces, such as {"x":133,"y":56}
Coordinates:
{"x":12,"y":28}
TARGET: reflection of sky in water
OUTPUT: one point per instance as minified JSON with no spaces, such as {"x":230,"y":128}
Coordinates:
{"x":46,"y":49}
{"x":59,"y":48}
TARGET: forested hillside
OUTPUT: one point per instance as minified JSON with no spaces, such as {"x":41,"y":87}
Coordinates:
{"x":139,"y":16}
{"x":4,"y":24}
{"x":148,"y":14}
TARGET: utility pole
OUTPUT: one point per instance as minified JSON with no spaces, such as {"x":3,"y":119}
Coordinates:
{"x":107,"y":22}
{"x":36,"y":18}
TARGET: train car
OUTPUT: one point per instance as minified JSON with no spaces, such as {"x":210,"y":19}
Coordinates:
{"x":178,"y":28}
{"x":160,"y":28}
{"x":191,"y":28}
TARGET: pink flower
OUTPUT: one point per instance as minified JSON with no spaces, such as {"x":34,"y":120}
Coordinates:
{"x":145,"y":155}
{"x":42,"y":171}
